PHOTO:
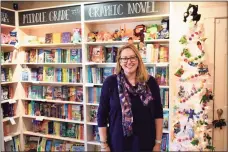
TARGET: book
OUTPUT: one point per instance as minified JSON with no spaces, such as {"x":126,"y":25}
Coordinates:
{"x":79,"y":94}
{"x":48,"y":38}
{"x":96,"y":54}
{"x":108,"y":55}
{"x":66,"y":37}
{"x":41,"y":56}
{"x":163,"y":54}
{"x":165,"y":119}
{"x":56,"y":37}
{"x":77,"y":112}
{"x":57,"y":95}
{"x":32,"y":56}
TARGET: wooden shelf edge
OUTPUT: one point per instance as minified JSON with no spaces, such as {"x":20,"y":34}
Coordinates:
{"x":52,"y":119}
{"x":53,"y":137}
{"x":8,"y":118}
{"x":53,"y":101}
{"x":53,"y":83}
{"x":51,"y":45}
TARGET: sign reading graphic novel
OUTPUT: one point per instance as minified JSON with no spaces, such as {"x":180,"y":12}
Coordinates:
{"x":50,"y":16}
{"x":122,"y":9}
{"x":7,"y":17}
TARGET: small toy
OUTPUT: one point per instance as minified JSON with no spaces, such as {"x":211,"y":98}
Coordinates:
{"x":77,"y":35}
{"x":92,"y":36}
{"x":186,"y":53}
{"x":151,"y":32}
{"x":193,"y":91}
{"x":177,"y":127}
{"x":191,"y":133}
{"x":195,"y":141}
{"x":100,"y":36}
{"x":183,"y":40}
{"x":203,"y":69}
{"x":220,"y":122}
{"x":192,"y":11}
{"x":107,"y":36}
{"x":207,"y":96}
{"x":191,"y":114}
{"x":199,"y":45}
{"x":116,"y":36}
{"x":179,"y":72}
{"x":139,"y":31}
{"x":164,"y":33}
{"x":181,"y":92}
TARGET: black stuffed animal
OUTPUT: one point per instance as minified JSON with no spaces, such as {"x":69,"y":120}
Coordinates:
{"x":193,"y":13}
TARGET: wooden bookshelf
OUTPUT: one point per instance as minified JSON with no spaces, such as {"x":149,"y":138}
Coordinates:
{"x":13,"y":122}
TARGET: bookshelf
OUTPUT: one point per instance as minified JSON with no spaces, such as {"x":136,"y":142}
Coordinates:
{"x":10,"y":115}
{"x":31,"y":36}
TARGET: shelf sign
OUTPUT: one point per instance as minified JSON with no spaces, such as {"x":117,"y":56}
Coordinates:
{"x":50,"y":16}
{"x":12,"y":121}
{"x":7,"y":138}
{"x":121,"y":9}
{"x":7,"y":17}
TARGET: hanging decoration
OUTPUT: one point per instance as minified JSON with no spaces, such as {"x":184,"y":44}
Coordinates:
{"x":220,"y":122}
{"x":191,"y":129}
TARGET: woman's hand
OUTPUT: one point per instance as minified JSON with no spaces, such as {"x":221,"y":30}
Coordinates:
{"x":157,"y":147}
{"x":105,"y":147}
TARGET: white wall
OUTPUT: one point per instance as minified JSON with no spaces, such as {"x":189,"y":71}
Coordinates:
{"x":208,"y":10}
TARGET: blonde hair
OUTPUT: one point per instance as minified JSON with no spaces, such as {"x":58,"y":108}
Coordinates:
{"x":141,"y":72}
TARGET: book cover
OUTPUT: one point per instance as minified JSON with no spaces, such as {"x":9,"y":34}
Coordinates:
{"x":65,"y":93}
{"x":108,"y":55}
{"x":66,"y":37}
{"x":5,"y":93}
{"x":40,"y":56}
{"x":40,"y":74}
{"x":56,"y":37}
{"x":32,"y":56}
{"x":76,"y":112}
{"x":97,"y":54}
{"x":72,"y":94}
{"x":49,"y":74}
{"x":107,"y":71}
{"x":93,"y":113}
{"x":163,"y":54}
{"x":161,"y":75}
{"x":114,"y":53}
{"x":79,"y":94}
{"x":57,"y":95}
{"x":48,"y":38}
{"x":73,"y":56}
{"x":48,"y":94}
{"x":165,"y":119}
{"x":71,"y":128}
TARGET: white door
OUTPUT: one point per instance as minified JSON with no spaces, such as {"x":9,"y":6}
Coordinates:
{"x":220,"y":102}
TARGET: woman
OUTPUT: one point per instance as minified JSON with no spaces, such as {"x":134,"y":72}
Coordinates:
{"x":130,"y":103}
